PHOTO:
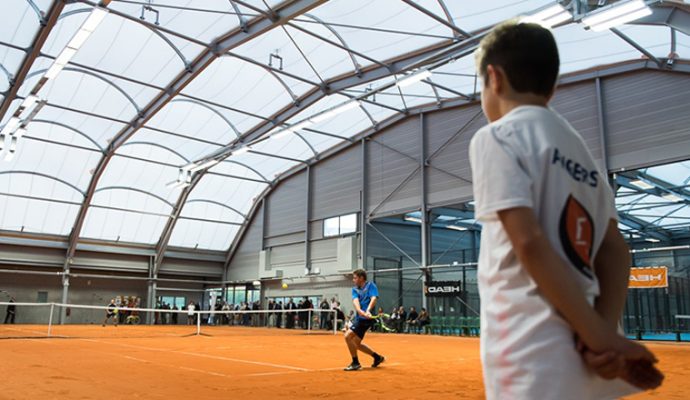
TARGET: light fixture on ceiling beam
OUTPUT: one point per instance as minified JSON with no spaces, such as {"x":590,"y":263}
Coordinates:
{"x":194,"y":167}
{"x":11,"y":126}
{"x":184,"y":179}
{"x":652,"y":240}
{"x":240,"y":151}
{"x":672,"y":197}
{"x":413,"y":219}
{"x":413,"y":77}
{"x":339,"y":109}
{"x":86,"y":29}
{"x":12,"y":149}
{"x":456,"y":228}
{"x":292,"y":128}
{"x":641,"y":184}
{"x":617,"y":14}
{"x":549,"y":17}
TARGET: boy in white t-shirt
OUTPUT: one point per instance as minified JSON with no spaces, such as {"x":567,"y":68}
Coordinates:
{"x":553,"y":268}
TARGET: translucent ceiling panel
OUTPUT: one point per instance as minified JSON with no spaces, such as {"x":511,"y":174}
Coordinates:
{"x":85,"y":92}
{"x":290,"y":145}
{"x":53,"y":159}
{"x":327,"y":59}
{"x":10,"y":60}
{"x":211,"y":210}
{"x":143,"y":175}
{"x":202,"y":20}
{"x":116,"y":225}
{"x":119,"y":46}
{"x":580,"y":49}
{"x":238,"y":84}
{"x":235,"y":193}
{"x":289,"y":59}
{"x":18,"y":24}
{"x":458,"y":76}
{"x":676,"y":174}
{"x":389,"y":15}
{"x":37,"y":216}
{"x":188,"y":149}
{"x":98,"y":129}
{"x":231,"y":166}
{"x":203,"y":235}
{"x":473,"y":15}
{"x":199,"y":122}
{"x":30,"y":202}
{"x":267,"y":166}
{"x":28,"y":183}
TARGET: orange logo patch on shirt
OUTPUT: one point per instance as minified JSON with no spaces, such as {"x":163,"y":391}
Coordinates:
{"x":577,"y":235}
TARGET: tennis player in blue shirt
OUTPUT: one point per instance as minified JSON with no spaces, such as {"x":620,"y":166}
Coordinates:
{"x":364,"y":296}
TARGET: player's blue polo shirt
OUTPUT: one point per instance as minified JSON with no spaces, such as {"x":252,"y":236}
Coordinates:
{"x":364,"y":295}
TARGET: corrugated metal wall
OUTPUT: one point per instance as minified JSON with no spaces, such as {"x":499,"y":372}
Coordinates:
{"x":647,"y":118}
{"x":245,"y":263}
{"x":393,"y":157}
{"x":646,"y":122}
{"x":339,"y":182}
{"x":286,"y":207}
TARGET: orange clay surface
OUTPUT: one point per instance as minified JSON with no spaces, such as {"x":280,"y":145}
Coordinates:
{"x":161,"y":362}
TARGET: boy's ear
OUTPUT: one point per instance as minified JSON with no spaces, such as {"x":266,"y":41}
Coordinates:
{"x":495,"y":78}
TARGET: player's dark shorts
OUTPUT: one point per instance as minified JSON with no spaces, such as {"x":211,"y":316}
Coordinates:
{"x":360,"y":326}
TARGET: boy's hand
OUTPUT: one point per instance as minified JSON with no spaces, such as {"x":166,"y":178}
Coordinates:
{"x":639,"y":367}
{"x":632,"y":362}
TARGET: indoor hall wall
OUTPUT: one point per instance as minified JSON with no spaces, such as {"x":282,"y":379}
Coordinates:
{"x":642,"y":122}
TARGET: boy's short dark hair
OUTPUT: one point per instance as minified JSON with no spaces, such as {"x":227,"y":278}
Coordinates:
{"x":361,"y":273}
{"x":527,"y":52}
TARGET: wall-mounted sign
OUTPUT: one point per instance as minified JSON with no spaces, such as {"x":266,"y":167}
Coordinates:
{"x":648,"y":277}
{"x":443,"y":288}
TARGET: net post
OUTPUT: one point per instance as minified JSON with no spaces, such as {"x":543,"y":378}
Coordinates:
{"x":309,"y":321}
{"x":198,"y":323}
{"x":335,"y":322}
{"x":50,"y":318}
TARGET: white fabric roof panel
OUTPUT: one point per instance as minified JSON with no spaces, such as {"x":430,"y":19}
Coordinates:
{"x":238,"y":92}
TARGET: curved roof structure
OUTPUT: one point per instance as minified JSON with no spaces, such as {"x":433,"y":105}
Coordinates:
{"x":224,"y":97}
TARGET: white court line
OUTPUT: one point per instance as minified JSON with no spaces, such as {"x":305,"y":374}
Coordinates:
{"x":202,"y":355}
{"x":312,"y":370}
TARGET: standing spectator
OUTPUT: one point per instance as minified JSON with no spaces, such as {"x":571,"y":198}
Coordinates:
{"x":300,"y":314}
{"x":121,"y":315}
{"x":324,"y":315}
{"x":271,"y":315}
{"x":256,"y":318}
{"x":279,"y":314}
{"x":173,"y":315}
{"x":411,"y":318}
{"x":197,"y":308}
{"x":307,"y":306}
{"x":290,"y":323}
{"x":190,"y":313}
{"x":11,"y":312}
{"x":226,"y":315}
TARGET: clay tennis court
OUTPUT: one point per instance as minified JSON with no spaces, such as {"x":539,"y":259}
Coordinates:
{"x":234,"y":362}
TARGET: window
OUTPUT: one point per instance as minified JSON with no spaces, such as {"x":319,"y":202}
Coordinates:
{"x":341,"y":225}
{"x":178,"y":302}
{"x":42,"y":297}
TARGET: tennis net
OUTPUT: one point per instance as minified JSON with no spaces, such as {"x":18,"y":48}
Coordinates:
{"x":44,"y":320}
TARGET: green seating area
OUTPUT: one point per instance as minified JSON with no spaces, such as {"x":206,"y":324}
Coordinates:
{"x":453,"y":325}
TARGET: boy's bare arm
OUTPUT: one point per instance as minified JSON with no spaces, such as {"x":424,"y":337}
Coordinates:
{"x":552,"y":276}
{"x":612,"y":267}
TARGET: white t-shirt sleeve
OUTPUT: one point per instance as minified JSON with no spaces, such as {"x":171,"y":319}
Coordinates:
{"x":500,"y":181}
